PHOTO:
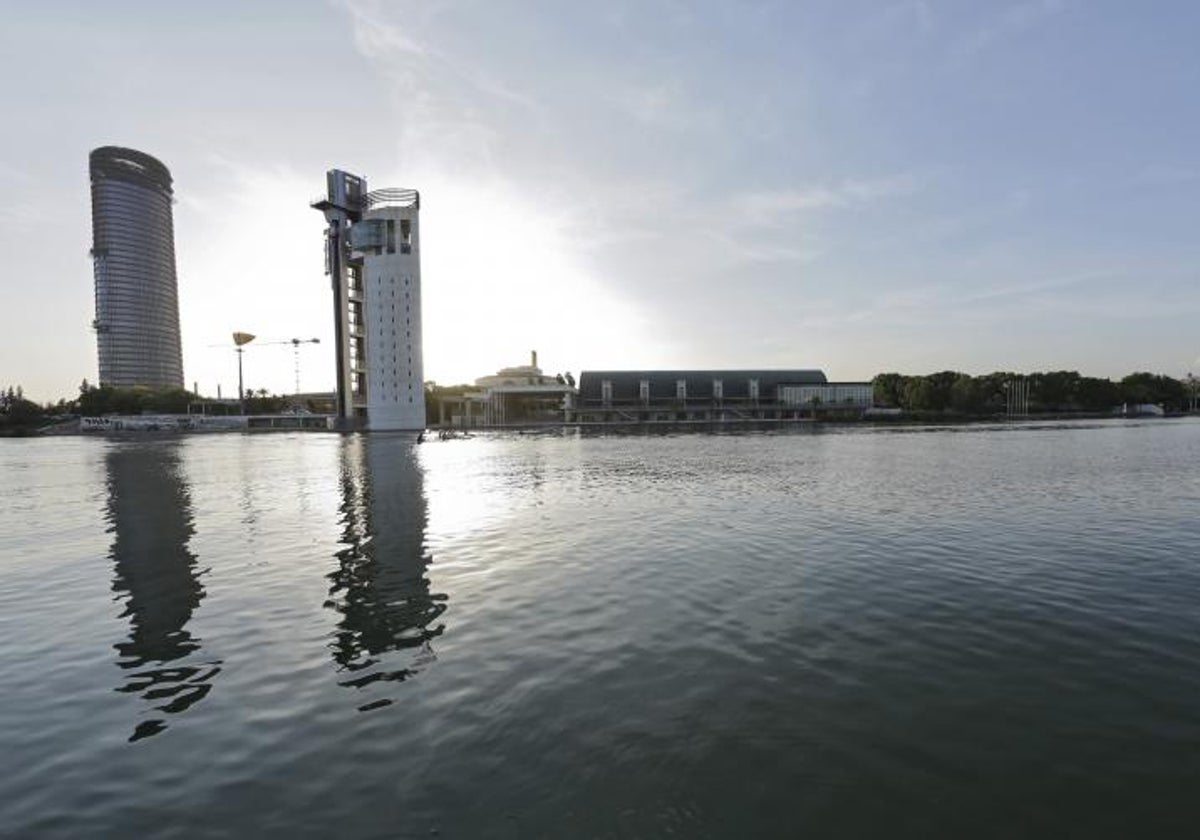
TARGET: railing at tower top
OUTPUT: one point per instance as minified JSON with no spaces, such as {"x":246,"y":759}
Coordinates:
{"x":388,"y":197}
{"x":393,"y":197}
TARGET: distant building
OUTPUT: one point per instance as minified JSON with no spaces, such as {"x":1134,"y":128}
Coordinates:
{"x":714,"y":395}
{"x":373,"y":257}
{"x":521,"y":395}
{"x":133,"y":254}
{"x":529,"y":374}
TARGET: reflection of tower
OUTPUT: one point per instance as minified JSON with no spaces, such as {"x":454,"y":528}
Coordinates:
{"x":380,"y":587}
{"x":150,"y":513}
{"x":133,"y":250}
{"x":373,"y":258}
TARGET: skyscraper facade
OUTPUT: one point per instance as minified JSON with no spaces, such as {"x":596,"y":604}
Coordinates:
{"x":133,"y":254}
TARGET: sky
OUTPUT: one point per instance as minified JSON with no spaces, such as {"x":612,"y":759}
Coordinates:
{"x":854,"y":186}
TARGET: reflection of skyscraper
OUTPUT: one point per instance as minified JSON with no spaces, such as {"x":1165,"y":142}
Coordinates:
{"x":380,"y":587}
{"x":133,"y":248}
{"x":150,"y":512}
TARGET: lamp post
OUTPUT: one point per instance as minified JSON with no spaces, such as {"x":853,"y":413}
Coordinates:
{"x":240,"y":339}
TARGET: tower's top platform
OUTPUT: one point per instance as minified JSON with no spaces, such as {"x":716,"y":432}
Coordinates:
{"x":392,"y":197}
{"x":122,"y":164}
{"x":348,"y":193}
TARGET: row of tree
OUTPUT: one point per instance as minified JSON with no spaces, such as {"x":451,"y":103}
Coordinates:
{"x":1062,"y":391}
{"x":19,"y":415}
{"x":96,"y":401}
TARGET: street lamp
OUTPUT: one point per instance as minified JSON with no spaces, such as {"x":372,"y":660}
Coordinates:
{"x":239,"y":340}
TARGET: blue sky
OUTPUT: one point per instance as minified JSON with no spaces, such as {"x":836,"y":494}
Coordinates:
{"x":855,"y":186}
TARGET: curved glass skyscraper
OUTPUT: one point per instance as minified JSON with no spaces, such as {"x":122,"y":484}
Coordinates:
{"x":133,"y":250}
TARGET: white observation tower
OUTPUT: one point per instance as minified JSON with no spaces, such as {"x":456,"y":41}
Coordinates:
{"x":373,"y":257}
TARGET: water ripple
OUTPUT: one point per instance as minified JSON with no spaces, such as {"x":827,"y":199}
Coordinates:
{"x":967,"y":631}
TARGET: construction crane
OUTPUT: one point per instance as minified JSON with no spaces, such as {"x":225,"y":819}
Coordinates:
{"x":295,"y":342}
{"x":241,"y":339}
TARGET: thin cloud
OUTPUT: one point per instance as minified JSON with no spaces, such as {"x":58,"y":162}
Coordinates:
{"x":375,"y":37}
{"x":904,"y":16}
{"x":663,"y":105}
{"x":769,"y":208}
{"x":446,"y":104}
{"x":1013,"y":21}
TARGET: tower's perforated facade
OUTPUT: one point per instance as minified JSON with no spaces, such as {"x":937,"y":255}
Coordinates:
{"x":373,"y":257}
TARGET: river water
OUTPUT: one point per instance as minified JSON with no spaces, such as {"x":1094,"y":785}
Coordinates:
{"x":983,"y":631}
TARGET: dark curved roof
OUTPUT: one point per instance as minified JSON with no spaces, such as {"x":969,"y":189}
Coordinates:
{"x":121,"y":164}
{"x":735,"y":384}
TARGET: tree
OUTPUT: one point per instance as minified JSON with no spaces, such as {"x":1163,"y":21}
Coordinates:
{"x":929,"y":393}
{"x":964,"y":395}
{"x":1055,"y":390}
{"x":918,"y":394}
{"x":1093,"y":394}
{"x":1146,"y":387}
{"x":889,"y":389}
{"x":17,"y":414}
{"x":96,"y":402}
{"x":990,"y":391}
